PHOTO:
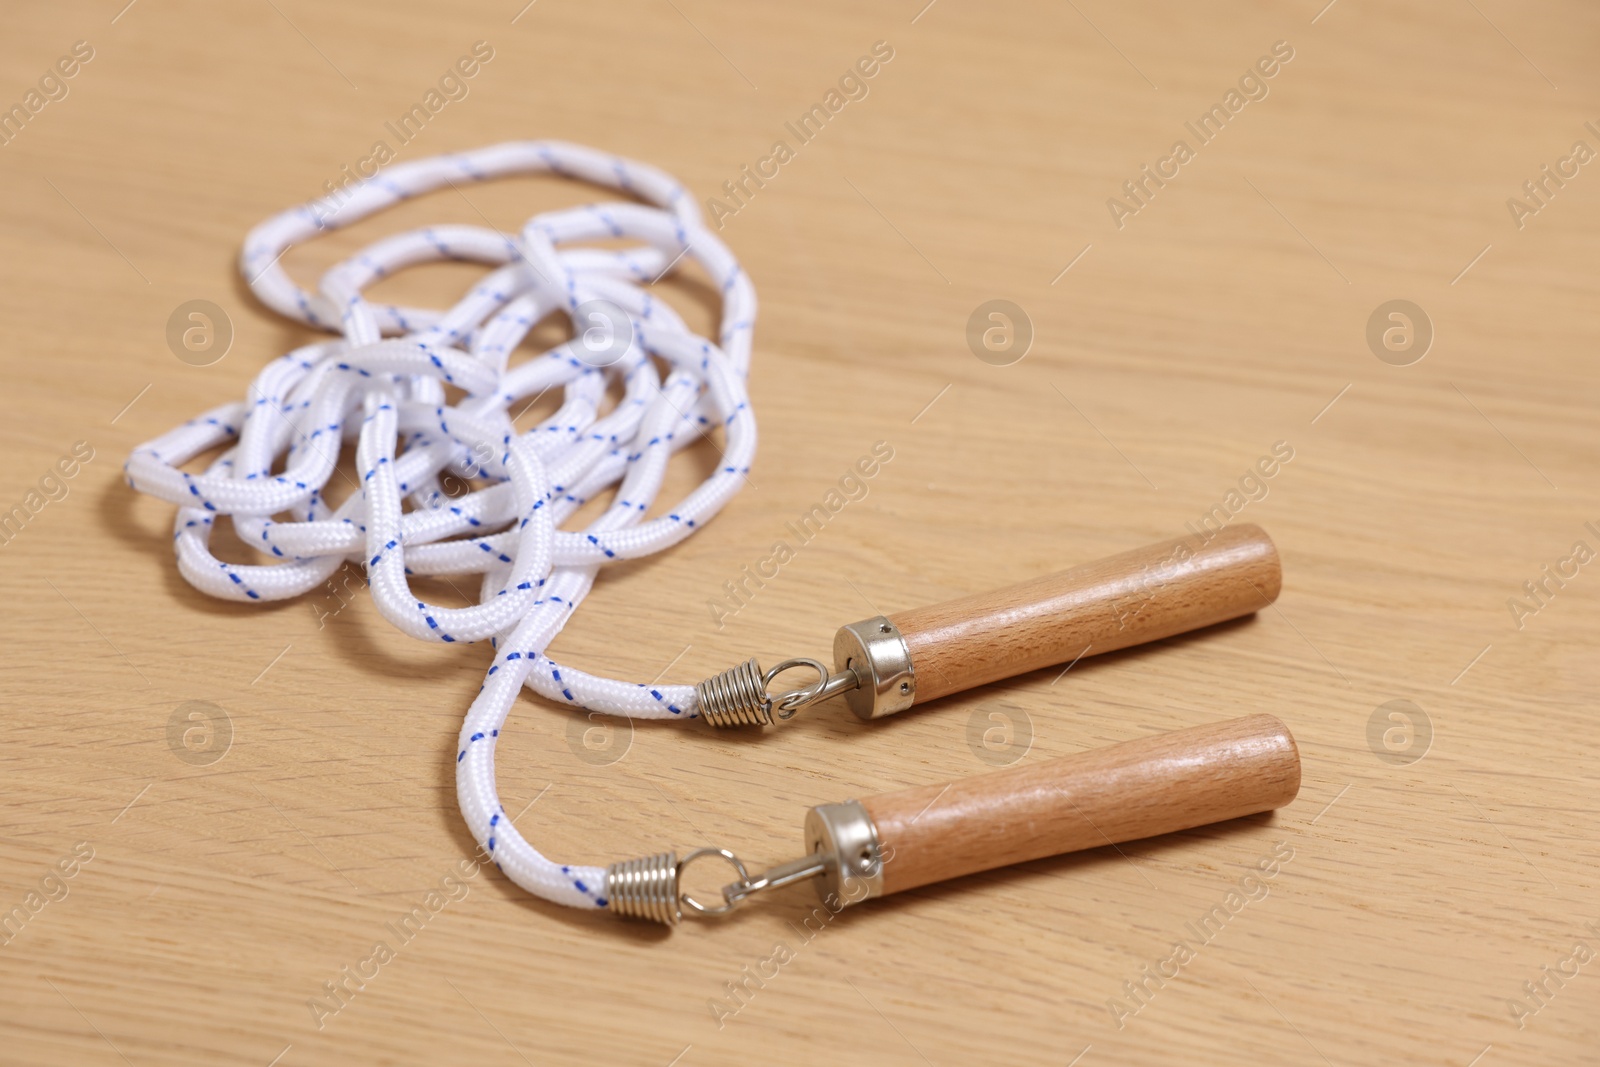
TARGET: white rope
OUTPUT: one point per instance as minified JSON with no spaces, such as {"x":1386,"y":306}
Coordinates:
{"x":391,"y":397}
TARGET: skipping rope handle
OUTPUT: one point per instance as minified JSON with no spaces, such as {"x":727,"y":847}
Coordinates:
{"x":885,"y":844}
{"x":887,"y":664}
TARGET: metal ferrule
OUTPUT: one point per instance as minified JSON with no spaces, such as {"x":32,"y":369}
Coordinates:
{"x":844,"y":837}
{"x":876,"y":651}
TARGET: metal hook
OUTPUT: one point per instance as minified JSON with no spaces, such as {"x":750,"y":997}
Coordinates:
{"x":827,"y":685}
{"x":740,"y":697}
{"x":652,"y":887}
{"x":785,"y":874}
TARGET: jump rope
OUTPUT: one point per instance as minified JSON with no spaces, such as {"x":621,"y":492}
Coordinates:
{"x":386,"y":380}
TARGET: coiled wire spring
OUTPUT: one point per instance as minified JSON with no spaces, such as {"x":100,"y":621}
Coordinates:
{"x":736,"y":697}
{"x":645,"y":888}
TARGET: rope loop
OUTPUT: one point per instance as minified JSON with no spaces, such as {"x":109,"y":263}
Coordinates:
{"x":445,"y":484}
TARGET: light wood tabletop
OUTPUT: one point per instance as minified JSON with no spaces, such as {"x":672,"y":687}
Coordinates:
{"x":1352,"y":244}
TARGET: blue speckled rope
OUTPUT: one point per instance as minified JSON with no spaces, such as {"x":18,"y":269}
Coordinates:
{"x":383,"y":383}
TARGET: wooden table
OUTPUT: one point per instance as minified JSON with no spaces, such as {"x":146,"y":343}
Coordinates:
{"x":1175,"y":341}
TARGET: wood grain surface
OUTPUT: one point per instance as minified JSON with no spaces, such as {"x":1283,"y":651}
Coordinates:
{"x":1100,"y":606}
{"x":1151,"y":785}
{"x":1433,"y":896}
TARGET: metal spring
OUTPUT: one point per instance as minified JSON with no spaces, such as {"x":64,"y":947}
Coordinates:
{"x":736,"y":697}
{"x":646,"y":888}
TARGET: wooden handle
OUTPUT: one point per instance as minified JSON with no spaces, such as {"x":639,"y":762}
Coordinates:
{"x":1153,"y":785}
{"x":1126,"y":599}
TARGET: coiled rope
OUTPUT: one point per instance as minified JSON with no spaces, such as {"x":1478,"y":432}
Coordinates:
{"x":386,"y":382}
